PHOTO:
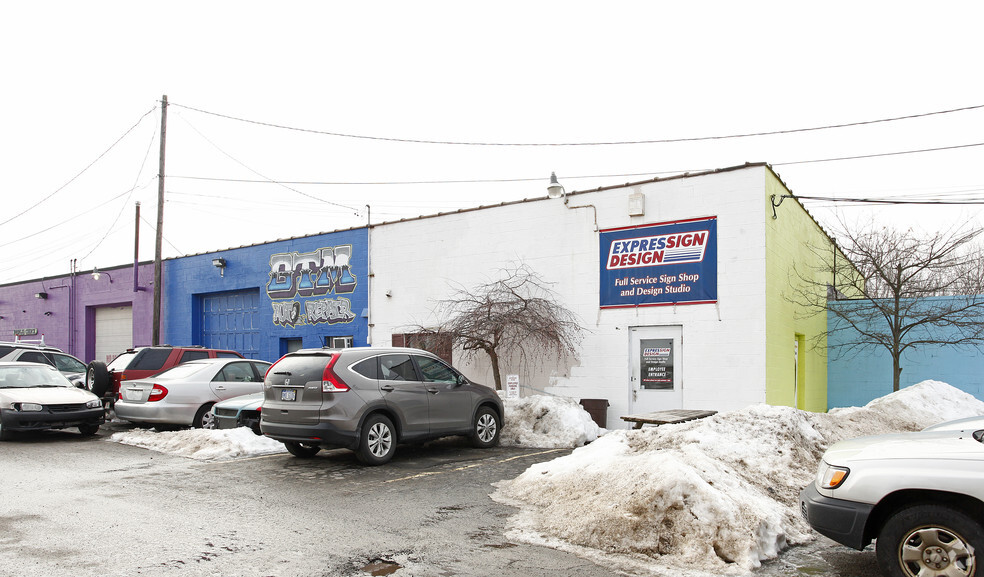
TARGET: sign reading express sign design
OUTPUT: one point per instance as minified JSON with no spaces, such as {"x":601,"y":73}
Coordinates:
{"x":659,"y":264}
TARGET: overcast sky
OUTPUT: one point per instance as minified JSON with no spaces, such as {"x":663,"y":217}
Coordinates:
{"x":83,"y":82}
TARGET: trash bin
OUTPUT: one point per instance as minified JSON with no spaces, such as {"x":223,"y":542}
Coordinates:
{"x":598,"y":409}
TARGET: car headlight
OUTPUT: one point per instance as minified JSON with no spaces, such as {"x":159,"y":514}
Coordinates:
{"x":831,"y":477}
{"x":94,"y":404}
{"x":24,"y":407}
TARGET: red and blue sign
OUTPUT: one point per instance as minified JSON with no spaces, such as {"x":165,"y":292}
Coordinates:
{"x":659,"y":264}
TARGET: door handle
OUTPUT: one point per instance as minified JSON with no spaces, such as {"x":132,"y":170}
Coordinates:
{"x":386,"y":388}
{"x":433,"y":390}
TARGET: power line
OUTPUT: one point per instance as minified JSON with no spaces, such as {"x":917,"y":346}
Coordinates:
{"x":881,"y":154}
{"x":886,"y":200}
{"x":240,"y":163}
{"x":610,"y":143}
{"x":566,"y":177}
{"x":84,"y":170}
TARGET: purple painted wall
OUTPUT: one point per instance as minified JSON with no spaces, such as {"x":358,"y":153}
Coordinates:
{"x":66,"y":316}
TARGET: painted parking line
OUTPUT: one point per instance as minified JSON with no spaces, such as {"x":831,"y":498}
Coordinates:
{"x":465,"y":467}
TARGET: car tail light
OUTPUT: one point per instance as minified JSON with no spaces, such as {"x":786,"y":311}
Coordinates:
{"x":157,"y":393}
{"x":330,"y":383}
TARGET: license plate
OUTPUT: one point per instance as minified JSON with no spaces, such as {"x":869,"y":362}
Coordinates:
{"x":288,"y":394}
{"x":131,"y":395}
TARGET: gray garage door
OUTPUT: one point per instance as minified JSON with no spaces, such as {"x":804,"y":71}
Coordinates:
{"x":230,"y":321}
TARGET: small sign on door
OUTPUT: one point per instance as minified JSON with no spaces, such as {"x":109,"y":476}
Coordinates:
{"x":656,"y":363}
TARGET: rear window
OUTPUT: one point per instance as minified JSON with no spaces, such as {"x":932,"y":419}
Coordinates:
{"x":225,"y":355}
{"x":192,"y":355}
{"x":36,"y":357}
{"x":180,"y":371}
{"x":5,"y":350}
{"x":397,"y":368}
{"x":299,"y":368}
{"x":367,"y":368}
{"x":142,"y":360}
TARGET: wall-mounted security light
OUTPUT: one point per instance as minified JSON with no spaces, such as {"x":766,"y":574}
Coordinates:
{"x":219,"y":263}
{"x":555,"y":189}
{"x":41,"y":296}
{"x":97,"y":274}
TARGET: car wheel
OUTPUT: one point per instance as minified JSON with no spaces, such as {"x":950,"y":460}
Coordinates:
{"x":486,"y":429}
{"x":88,"y":430}
{"x":97,"y":378}
{"x":302,"y":450}
{"x":929,"y":540}
{"x":378,"y":442}
{"x":204,"y":419}
{"x":5,"y":435}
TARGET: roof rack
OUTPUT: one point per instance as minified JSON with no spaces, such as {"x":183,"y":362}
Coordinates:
{"x":19,"y":339}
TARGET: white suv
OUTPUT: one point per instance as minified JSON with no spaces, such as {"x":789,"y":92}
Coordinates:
{"x":921,"y":495}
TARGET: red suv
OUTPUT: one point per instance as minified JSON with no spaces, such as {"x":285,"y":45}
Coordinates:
{"x":104,"y":380}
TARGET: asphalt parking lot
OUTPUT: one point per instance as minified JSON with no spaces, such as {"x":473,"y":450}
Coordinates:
{"x":75,"y":506}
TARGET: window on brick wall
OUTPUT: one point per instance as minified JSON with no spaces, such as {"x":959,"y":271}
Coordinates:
{"x":435,"y":343}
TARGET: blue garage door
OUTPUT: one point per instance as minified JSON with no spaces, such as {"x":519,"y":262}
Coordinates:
{"x":230,"y":321}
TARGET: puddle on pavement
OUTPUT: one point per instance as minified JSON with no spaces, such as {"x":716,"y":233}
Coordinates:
{"x":381,"y":567}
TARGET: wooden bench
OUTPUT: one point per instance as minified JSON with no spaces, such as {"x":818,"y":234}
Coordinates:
{"x":666,"y":417}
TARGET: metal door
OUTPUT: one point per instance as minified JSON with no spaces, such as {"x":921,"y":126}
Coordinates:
{"x":656,"y":382}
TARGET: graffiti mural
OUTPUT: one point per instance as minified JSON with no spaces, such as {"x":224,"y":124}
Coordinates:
{"x":319,"y":273}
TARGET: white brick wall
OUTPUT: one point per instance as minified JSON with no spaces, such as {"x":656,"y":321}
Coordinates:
{"x":724,"y":344}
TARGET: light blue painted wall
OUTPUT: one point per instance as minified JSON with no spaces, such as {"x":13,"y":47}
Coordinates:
{"x":858,"y":377}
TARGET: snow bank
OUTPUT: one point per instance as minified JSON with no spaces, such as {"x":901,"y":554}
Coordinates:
{"x":539,"y":421}
{"x":547,"y":422}
{"x":202,"y":444}
{"x":708,"y":497}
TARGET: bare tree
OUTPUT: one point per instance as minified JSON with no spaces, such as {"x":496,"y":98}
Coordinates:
{"x":518,"y":314}
{"x":899,"y":291}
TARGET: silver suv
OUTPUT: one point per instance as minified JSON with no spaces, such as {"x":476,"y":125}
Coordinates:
{"x":370,"y":399}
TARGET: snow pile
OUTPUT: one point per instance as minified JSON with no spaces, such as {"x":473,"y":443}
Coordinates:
{"x":538,"y":421}
{"x":708,"y":497}
{"x":202,"y":444}
{"x":547,"y":422}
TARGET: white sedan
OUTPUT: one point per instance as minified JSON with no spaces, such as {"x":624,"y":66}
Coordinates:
{"x":35,"y":397}
{"x":184,"y":394}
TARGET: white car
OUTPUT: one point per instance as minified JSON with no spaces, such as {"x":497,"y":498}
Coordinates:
{"x":241,"y":411}
{"x":34,"y":397}
{"x":920,"y":495}
{"x":184,"y":394}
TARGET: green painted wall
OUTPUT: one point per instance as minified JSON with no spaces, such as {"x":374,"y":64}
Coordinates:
{"x":795,"y":246}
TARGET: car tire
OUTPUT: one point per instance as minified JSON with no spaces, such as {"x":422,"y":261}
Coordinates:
{"x":204,"y":417}
{"x":302,"y":450}
{"x":377,"y":444}
{"x":5,"y":435}
{"x":486,"y":428}
{"x":97,"y":378}
{"x":88,"y":430}
{"x":930,"y":539}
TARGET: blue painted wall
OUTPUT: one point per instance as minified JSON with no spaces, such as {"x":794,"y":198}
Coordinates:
{"x":855,"y":378}
{"x":309,"y":288}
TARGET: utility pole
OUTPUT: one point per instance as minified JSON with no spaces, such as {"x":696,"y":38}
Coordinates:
{"x":156,"y":335}
{"x":136,"y":250}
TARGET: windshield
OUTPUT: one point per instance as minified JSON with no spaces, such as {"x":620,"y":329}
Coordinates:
{"x":28,"y":376}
